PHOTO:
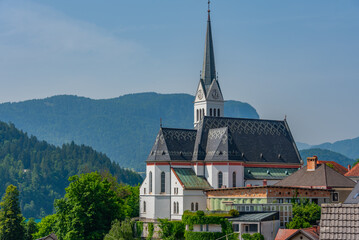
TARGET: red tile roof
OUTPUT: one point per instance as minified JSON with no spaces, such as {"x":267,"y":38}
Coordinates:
{"x":354,"y":172}
{"x":336,"y":166}
{"x":287,"y":234}
{"x":283,"y":234}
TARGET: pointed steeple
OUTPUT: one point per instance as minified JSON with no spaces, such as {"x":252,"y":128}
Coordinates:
{"x":209,"y":69}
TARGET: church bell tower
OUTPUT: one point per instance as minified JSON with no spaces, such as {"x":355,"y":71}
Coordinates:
{"x":209,"y":99}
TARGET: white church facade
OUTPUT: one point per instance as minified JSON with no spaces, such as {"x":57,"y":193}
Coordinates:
{"x":219,"y":152}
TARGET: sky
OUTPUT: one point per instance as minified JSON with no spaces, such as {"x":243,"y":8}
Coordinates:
{"x":298,"y":59}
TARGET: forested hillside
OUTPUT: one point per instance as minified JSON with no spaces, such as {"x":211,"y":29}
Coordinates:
{"x":123,"y":128}
{"x":326,"y":155}
{"x":41,"y":170}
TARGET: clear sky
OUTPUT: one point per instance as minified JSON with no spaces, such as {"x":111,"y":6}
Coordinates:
{"x":294,"y":58}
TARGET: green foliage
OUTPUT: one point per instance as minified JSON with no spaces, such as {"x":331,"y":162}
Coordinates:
{"x":234,"y":212}
{"x":330,"y":165}
{"x":171,"y":230}
{"x":46,"y":226}
{"x":356,"y":161}
{"x":88,"y":208}
{"x":151,"y":229}
{"x":41,"y":170}
{"x":30,"y":229}
{"x":326,"y":155}
{"x":120,"y":127}
{"x":254,"y":236}
{"x":121,"y":231}
{"x":11,"y":219}
{"x":203,"y":235}
{"x":304,"y":215}
{"x":139,"y":228}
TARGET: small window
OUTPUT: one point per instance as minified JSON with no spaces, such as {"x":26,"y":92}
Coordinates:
{"x":150,"y":181}
{"x":174,"y":207}
{"x":197,"y":115}
{"x":177,"y":207}
{"x":220,"y":179}
{"x":219,"y":112}
{"x":144,"y":190}
{"x":210,"y":112}
{"x":163,"y":182}
{"x":235,"y":227}
{"x":144,"y":206}
{"x":335,"y":197}
{"x":234,"y":179}
{"x":214,"y":112}
{"x":192,"y":206}
{"x":253,"y":227}
{"x":196,"y":206}
{"x":201,"y":228}
{"x":202,"y":112}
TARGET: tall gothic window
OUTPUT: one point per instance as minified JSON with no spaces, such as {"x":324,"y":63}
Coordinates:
{"x":174,"y":207}
{"x":163,"y":182}
{"x":150,"y":181}
{"x":197,"y":115}
{"x":210,"y":112}
{"x":220,"y":179}
{"x":234,"y":179}
{"x":196,"y":206}
{"x":144,"y":206}
{"x":202,"y":112}
{"x":177,"y":209}
{"x":218,"y":112}
{"x":214,"y":112}
{"x":192,"y":206}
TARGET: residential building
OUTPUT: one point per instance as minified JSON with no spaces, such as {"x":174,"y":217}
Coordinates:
{"x":353,"y":196}
{"x":320,"y":176}
{"x":311,"y":233}
{"x":353,"y":173}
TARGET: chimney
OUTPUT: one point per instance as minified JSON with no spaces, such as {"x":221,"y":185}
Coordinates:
{"x":249,"y":185}
{"x":265,"y":182}
{"x":312,"y":163}
{"x":349,"y":167}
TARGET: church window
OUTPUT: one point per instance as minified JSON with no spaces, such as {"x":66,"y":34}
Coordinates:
{"x":150,"y":182}
{"x":210,"y":112}
{"x":144,"y":206}
{"x":163,"y":182}
{"x":234,"y":179}
{"x":220,"y":179}
{"x":202,"y":112}
{"x":192,"y":206}
{"x":144,"y":190}
{"x":196,"y":206}
{"x":177,"y":209}
{"x":197,"y":115}
{"x":214,"y":112}
{"x":218,"y":112}
{"x":174,"y":207}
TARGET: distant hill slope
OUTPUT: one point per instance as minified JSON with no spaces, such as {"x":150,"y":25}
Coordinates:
{"x":348,"y":147}
{"x":41,"y":170}
{"x":326,"y":155}
{"x":123,"y":128}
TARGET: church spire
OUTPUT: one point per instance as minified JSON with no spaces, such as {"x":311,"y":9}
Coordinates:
{"x":209,"y":69}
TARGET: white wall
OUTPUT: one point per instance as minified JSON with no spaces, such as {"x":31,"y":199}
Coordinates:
{"x":269,"y":229}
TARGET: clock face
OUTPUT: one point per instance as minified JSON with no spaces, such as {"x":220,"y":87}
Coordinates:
{"x":215,"y":94}
{"x":200,"y":94}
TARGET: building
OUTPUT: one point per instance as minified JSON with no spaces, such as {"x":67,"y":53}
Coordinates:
{"x":353,"y":196}
{"x":311,"y":233}
{"x":339,"y":221}
{"x":218,"y":153}
{"x":353,"y":173}
{"x":320,"y":176}
{"x":336,"y":166}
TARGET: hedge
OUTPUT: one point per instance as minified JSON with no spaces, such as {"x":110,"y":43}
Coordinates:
{"x":203,"y":235}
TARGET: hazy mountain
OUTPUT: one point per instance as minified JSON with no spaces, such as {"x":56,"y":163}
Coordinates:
{"x":123,"y":128}
{"x":326,"y":155}
{"x":41,"y":170}
{"x":302,"y":146}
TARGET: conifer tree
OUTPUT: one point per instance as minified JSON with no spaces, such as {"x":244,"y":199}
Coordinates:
{"x":11,"y":219}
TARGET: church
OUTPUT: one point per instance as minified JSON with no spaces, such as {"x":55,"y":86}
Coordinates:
{"x":219,"y":152}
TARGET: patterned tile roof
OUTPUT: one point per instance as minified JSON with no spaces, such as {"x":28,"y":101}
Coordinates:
{"x":267,"y":173}
{"x":190,"y":180}
{"x":354,"y":172}
{"x":339,"y":221}
{"x":255,"y":217}
{"x":336,"y":166}
{"x":323,"y":176}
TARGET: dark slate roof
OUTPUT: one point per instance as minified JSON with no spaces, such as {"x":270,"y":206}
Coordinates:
{"x":323,"y":176}
{"x":223,"y":139}
{"x":190,"y":180}
{"x":52,"y":236}
{"x":255,"y":217}
{"x":339,"y":221}
{"x":249,"y":140}
{"x":354,"y":195}
{"x":267,"y":173}
{"x":173,"y":144}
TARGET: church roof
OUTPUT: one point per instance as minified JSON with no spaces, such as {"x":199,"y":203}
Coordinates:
{"x":190,"y":180}
{"x":260,"y":173}
{"x":223,"y":139}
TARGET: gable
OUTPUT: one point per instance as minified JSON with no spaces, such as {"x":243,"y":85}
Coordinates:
{"x":214,"y":92}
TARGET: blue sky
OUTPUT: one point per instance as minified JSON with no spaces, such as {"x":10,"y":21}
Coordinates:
{"x":294,"y":58}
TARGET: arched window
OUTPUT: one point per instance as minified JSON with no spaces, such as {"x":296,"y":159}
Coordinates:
{"x":174,"y":207}
{"x":214,"y":112}
{"x":218,"y":112}
{"x":196,"y":206}
{"x":163,"y":182}
{"x":144,"y":206}
{"x":234,"y":179}
{"x":220,"y":179}
{"x":192,"y":206}
{"x":210,"y":112}
{"x":177,"y":209}
{"x":150,"y":181}
{"x":197,"y":115}
{"x":202,"y":112}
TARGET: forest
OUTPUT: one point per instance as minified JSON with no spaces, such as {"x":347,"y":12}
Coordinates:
{"x":41,"y":170}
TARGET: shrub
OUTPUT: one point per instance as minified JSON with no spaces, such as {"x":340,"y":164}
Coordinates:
{"x":234,"y":213}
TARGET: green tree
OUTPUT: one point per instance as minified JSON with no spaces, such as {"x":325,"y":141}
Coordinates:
{"x":254,"y":236}
{"x":46,"y":226}
{"x":30,"y":229}
{"x":121,"y":230}
{"x":11,"y":219}
{"x":171,"y":230}
{"x":356,"y":161}
{"x":88,"y":208}
{"x":304,"y":215}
